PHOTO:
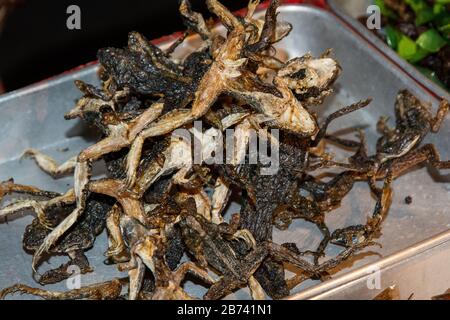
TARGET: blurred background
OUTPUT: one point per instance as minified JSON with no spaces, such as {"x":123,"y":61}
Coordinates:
{"x":36,"y":44}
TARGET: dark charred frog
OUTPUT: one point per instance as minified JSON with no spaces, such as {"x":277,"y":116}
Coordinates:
{"x":264,"y":194}
{"x":222,"y":248}
{"x":398,"y":149}
{"x":75,"y":242}
{"x":146,"y":70}
{"x":413,"y":122}
{"x":234,"y":255}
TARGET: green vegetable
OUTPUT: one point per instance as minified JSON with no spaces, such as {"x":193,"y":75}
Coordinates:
{"x":437,"y":19}
{"x":419,"y":55}
{"x":424,"y":17}
{"x":385,"y":11}
{"x":445,"y":29}
{"x":424,"y":13}
{"x":431,"y":41}
{"x":392,"y":37}
{"x":409,"y":50}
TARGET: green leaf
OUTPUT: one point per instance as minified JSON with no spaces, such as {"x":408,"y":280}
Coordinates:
{"x":385,"y":11}
{"x":439,"y":9}
{"x":431,"y":41}
{"x":392,"y":36}
{"x":419,"y":55}
{"x":445,"y":29}
{"x":424,"y":17}
{"x":409,"y":50}
{"x":424,"y":13}
{"x":406,"y":47}
{"x":443,"y":19}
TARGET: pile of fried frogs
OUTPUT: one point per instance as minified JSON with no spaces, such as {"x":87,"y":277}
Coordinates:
{"x":164,"y":214}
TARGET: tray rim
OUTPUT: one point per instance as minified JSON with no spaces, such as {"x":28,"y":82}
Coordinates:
{"x":325,"y":289}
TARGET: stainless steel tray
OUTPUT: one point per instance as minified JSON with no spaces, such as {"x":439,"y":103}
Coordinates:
{"x":33,"y":117}
{"x":350,"y":10}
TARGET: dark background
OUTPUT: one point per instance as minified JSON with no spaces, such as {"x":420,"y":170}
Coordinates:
{"x":35,"y":43}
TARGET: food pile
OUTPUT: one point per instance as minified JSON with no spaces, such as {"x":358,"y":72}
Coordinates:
{"x":419,"y":30}
{"x":164,"y":200}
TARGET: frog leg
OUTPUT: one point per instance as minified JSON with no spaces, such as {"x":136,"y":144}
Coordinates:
{"x":298,"y":207}
{"x":141,"y":257}
{"x":225,"y":286}
{"x":222,"y":190}
{"x":232,"y":232}
{"x":219,"y":200}
{"x":117,"y":248}
{"x":21,"y":205}
{"x":39,"y":207}
{"x":136,"y":276}
{"x":63,"y":272}
{"x":357,"y":234}
{"x":240,"y":277}
{"x":121,"y":136}
{"x":82,"y":175}
{"x":203,"y":204}
{"x":341,"y":112}
{"x":268,"y":31}
{"x":49,"y":165}
{"x":8,"y":187}
{"x":107,"y":145}
{"x":245,"y":235}
{"x":436,"y":122}
{"x":229,"y":20}
{"x":283,"y":217}
{"x":128,"y":200}
{"x":109,"y":290}
{"x":359,"y":161}
{"x":251,"y":262}
{"x":180,"y":177}
{"x":320,"y":250}
{"x":424,"y":154}
{"x":194,"y":20}
{"x":383,"y":127}
{"x":256,"y":291}
{"x":165,"y":124}
{"x":329,"y":194}
{"x":192,"y":268}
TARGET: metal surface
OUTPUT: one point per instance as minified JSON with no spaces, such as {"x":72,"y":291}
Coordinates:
{"x":34,"y":118}
{"x":350,"y":10}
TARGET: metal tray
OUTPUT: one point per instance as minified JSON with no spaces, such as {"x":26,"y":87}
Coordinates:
{"x":33,"y":117}
{"x":350,"y":10}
